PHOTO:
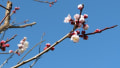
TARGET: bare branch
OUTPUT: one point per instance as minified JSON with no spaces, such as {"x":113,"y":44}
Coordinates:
{"x":39,"y":52}
{"x":11,"y":38}
{"x":7,"y":19}
{"x":22,"y":26}
{"x":5,"y":53}
{"x":6,"y":60}
{"x":45,"y":2}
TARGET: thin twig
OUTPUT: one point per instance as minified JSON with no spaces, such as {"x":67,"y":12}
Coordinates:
{"x":6,"y":60}
{"x":4,"y":7}
{"x":39,"y":52}
{"x":11,"y":38}
{"x":22,"y":26}
{"x":4,"y":18}
{"x":4,"y":53}
{"x":101,"y":30}
{"x":45,"y":2}
{"x":21,"y":22}
{"x":2,"y":36}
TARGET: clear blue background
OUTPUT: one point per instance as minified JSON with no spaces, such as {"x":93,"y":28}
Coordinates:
{"x":99,"y":51}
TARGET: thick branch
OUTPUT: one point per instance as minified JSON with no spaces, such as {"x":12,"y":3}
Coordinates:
{"x":7,"y":19}
{"x":22,"y":26}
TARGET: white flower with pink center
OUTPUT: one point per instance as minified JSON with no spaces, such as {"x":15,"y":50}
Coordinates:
{"x":67,"y":19}
{"x":75,"y":38}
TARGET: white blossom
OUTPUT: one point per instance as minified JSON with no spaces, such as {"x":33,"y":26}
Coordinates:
{"x":75,"y":38}
{"x":82,"y":20}
{"x":67,"y":19}
{"x":23,"y":45}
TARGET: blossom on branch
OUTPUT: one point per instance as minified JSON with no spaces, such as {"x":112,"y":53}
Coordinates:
{"x":23,"y":45}
{"x":67,"y":19}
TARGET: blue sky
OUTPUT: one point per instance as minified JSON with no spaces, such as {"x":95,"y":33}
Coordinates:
{"x":99,"y":51}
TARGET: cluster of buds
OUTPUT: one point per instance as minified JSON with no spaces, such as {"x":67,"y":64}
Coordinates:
{"x":78,"y":21}
{"x":48,"y":45}
{"x":16,"y":8}
{"x":22,"y":46}
{"x":52,"y":3}
{"x":3,"y":45}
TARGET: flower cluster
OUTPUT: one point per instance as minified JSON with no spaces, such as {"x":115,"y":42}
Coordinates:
{"x":78,"y":21}
{"x":48,"y":45}
{"x":3,"y":45}
{"x":23,"y":45}
{"x":16,"y":8}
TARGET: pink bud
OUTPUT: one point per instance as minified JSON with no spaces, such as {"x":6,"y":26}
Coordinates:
{"x":78,"y":32}
{"x":85,"y":16}
{"x":80,"y":6}
{"x":18,"y":53}
{"x":17,"y":8}
{"x":48,"y":45}
{"x":10,"y":51}
{"x":2,"y":42}
{"x":97,"y":30}
{"x":14,"y":11}
{"x":3,"y":45}
{"x":7,"y":45}
{"x":52,"y":48}
{"x":45,"y":48}
{"x":55,"y":0}
{"x":50,"y":5}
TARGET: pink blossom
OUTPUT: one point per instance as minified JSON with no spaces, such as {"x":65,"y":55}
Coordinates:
{"x":76,"y":16}
{"x":82,"y":20}
{"x":85,"y":16}
{"x":67,"y":19}
{"x":85,"y":27}
{"x":80,"y":6}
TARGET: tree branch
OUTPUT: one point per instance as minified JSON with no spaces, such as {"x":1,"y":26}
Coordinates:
{"x":6,"y":60}
{"x":11,"y":38}
{"x":7,"y":19}
{"x":101,"y":30}
{"x":22,"y":26}
{"x":4,"y":7}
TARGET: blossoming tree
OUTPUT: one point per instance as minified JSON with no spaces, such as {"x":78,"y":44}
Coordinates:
{"x":78,"y":31}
